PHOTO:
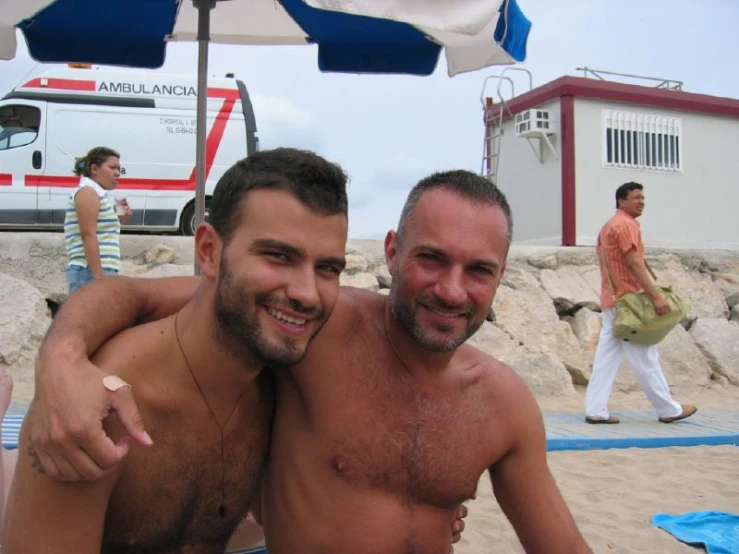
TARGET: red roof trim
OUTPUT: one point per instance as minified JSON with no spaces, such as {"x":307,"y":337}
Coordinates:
{"x":620,"y":92}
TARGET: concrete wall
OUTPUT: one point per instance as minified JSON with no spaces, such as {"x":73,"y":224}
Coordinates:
{"x":694,"y":208}
{"x":533,"y":187}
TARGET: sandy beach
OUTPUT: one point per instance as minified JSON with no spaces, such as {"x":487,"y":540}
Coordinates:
{"x":612,"y":493}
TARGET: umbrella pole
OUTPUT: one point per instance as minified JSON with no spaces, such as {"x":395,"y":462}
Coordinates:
{"x":201,"y":119}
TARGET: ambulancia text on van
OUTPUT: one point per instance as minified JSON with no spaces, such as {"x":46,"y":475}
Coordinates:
{"x":149,"y":118}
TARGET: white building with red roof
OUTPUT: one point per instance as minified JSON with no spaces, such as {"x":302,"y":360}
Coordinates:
{"x":559,"y":151}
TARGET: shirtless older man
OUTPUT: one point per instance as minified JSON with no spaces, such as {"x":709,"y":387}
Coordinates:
{"x":271,"y":256}
{"x":390,"y":420}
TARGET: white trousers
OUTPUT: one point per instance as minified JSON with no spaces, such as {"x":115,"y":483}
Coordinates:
{"x":644,"y":361}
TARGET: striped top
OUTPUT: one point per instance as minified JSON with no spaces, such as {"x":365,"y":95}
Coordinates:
{"x":108,"y":229}
{"x":620,"y":234}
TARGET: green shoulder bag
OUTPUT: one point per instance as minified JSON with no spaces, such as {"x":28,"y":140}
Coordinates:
{"x":635,"y":319}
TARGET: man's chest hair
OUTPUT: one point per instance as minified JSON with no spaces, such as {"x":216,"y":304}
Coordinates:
{"x":170,"y":497}
{"x":423,"y":446}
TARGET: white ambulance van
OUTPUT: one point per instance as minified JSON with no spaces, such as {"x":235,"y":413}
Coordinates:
{"x":149,"y":118}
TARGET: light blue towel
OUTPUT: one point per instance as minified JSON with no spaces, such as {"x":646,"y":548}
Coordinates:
{"x":718,"y":532}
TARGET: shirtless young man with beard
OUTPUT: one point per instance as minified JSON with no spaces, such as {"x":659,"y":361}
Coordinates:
{"x":391,"y":419}
{"x":271,"y":256}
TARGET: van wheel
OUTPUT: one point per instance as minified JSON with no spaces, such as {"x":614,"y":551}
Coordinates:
{"x":187,"y":220}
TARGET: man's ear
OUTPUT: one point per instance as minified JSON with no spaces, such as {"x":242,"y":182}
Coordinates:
{"x":391,"y":251}
{"x":208,"y":249}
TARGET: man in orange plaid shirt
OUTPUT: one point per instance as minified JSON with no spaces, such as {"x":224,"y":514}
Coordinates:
{"x":620,"y":244}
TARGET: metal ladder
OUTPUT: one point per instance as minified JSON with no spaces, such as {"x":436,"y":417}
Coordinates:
{"x":494,"y":117}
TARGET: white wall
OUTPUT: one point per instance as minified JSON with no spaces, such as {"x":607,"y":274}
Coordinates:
{"x":533,"y":188}
{"x":695,"y":208}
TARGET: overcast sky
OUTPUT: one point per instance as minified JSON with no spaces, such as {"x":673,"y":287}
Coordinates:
{"x":388,"y":132}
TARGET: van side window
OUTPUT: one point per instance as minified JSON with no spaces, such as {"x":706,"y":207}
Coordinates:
{"x":19,"y":125}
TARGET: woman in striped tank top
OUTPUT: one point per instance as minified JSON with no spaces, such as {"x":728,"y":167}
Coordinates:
{"x":92,"y":226}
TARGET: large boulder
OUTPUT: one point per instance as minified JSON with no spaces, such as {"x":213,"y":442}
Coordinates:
{"x":682,"y":361}
{"x":706,"y":297}
{"x":372,"y":250}
{"x":576,"y":255}
{"x":728,"y":283}
{"x":359,"y":280}
{"x":356,"y":263}
{"x":520,"y":277}
{"x":586,"y":326}
{"x":539,"y":257}
{"x":524,"y":310}
{"x":160,"y":254}
{"x":575,"y":283}
{"x":542,"y":373}
{"x":24,"y":320}
{"x":130,"y":269}
{"x":383,"y":276}
{"x":718,"y":340}
{"x":37,"y":258}
{"x":732,"y":301}
{"x":495,"y":342}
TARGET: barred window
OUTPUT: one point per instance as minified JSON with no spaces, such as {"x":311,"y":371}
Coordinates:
{"x":642,"y":141}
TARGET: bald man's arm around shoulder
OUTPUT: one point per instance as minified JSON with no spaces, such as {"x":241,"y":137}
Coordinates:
{"x":522,"y":482}
{"x":47,"y":515}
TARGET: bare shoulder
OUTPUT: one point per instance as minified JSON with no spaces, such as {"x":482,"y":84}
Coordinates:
{"x":506,"y":394}
{"x":86,"y":194}
{"x":499,"y":379}
{"x":141,"y":356}
{"x":135,"y":353}
{"x":352,"y":308}
{"x":504,"y":406}
{"x":348,"y":322}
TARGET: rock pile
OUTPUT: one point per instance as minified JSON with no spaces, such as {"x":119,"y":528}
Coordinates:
{"x":544,"y":321}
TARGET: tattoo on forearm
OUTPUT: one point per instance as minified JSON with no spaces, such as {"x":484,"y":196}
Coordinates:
{"x":35,"y":462}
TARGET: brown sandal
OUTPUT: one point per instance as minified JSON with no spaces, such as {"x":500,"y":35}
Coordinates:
{"x":688,"y":410}
{"x":611,"y":420}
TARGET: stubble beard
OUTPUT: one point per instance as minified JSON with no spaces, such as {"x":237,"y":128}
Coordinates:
{"x":405,"y":315}
{"x":239,"y":328}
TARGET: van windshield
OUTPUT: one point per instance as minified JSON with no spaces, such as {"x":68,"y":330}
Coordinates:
{"x":19,"y":125}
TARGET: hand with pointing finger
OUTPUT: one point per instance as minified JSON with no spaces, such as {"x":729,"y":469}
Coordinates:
{"x":65,"y":420}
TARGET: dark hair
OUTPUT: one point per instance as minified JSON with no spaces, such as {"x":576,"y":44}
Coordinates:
{"x":315,"y":182}
{"x":96,"y":156}
{"x":622,"y":192}
{"x":464,"y":183}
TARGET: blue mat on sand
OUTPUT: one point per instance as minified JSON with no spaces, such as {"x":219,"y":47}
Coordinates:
{"x":717,"y":532}
{"x":642,"y":430}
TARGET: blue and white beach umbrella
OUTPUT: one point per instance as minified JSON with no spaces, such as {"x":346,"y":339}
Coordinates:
{"x":353,"y":36}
